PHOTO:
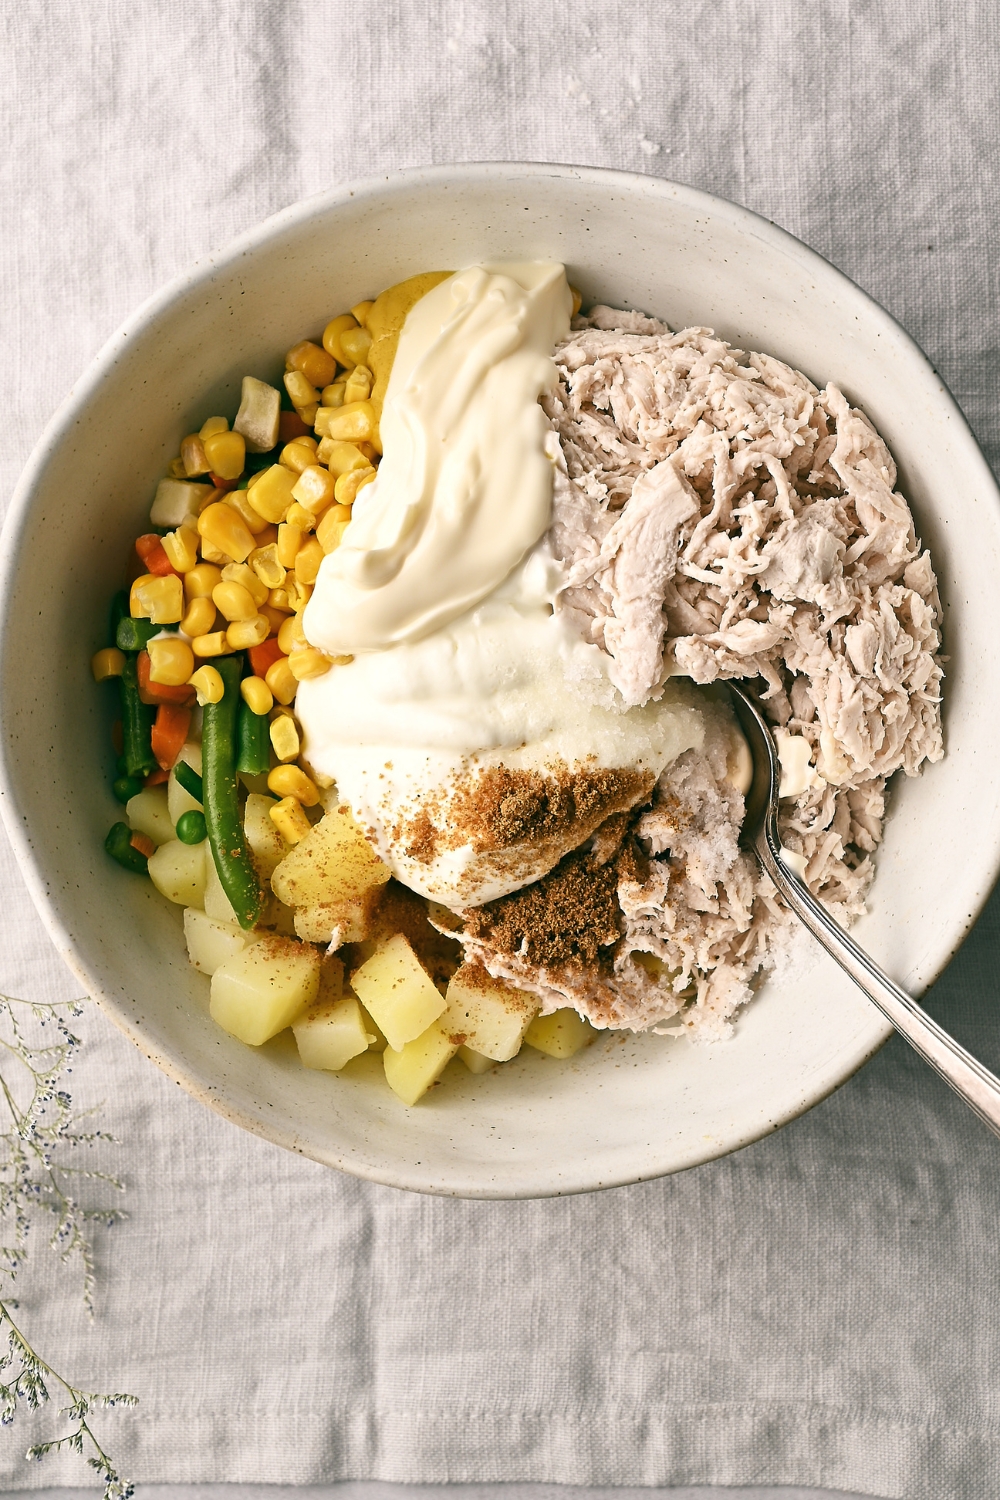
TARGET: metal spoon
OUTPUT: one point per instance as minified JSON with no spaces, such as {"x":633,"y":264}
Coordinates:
{"x":976,"y":1084}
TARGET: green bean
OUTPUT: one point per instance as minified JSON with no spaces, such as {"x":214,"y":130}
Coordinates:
{"x":119,"y":845}
{"x":222,"y":814}
{"x":135,"y":635}
{"x":137,"y":723}
{"x":188,"y":778}
{"x":255,"y":742}
{"x":119,"y":612}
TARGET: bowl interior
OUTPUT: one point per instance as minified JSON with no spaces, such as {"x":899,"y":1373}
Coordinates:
{"x":627,"y":1108}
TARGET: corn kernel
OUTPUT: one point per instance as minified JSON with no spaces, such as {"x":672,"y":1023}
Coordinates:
{"x":369,"y":452}
{"x":314,"y":488}
{"x":176,"y":469}
{"x":193,"y":456}
{"x":308,"y":413}
{"x":134,"y":607}
{"x":307,"y":561}
{"x":577,"y":301}
{"x":222,"y":527}
{"x":199,"y":618}
{"x":291,"y":637}
{"x":358,"y":385}
{"x":252,"y":519}
{"x":333,"y":395}
{"x":349,"y":424}
{"x":278,"y":599}
{"x":213,"y":644}
{"x":289,"y":819}
{"x":253,"y":478}
{"x":280,"y":680}
{"x":332,"y":335}
{"x":360,"y":310}
{"x":208,"y":684}
{"x":346,"y":489}
{"x":272,"y":494}
{"x":240,"y":573}
{"x":330,"y":531}
{"x":212,"y":426}
{"x":213,"y":555}
{"x":308,"y":663}
{"x":298,"y":454}
{"x":159,"y":599}
{"x":265,"y":564}
{"x":341,"y":458}
{"x":289,"y":541}
{"x":274,"y":617}
{"x":299,"y":594}
{"x":256,"y":695}
{"x":170,"y":662}
{"x":298,"y":516}
{"x":285,"y":737}
{"x":316,"y":364}
{"x":200,"y":581}
{"x":107,"y":663}
{"x":299,"y":390}
{"x":290,"y":781}
{"x":243,"y":634}
{"x":234,"y":602}
{"x":355,"y":344}
{"x":226,"y":454}
{"x":181,"y":547}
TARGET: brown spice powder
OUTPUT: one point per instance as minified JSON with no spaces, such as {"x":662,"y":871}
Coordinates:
{"x":567,"y":918}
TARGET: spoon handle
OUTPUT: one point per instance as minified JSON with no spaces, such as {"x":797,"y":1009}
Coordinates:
{"x":968,"y":1077}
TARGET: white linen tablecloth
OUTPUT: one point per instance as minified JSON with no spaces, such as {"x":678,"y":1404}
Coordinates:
{"x":822,"y":1309}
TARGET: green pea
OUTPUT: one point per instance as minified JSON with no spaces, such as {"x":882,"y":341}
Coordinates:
{"x":126,"y":787}
{"x":190,"y":827}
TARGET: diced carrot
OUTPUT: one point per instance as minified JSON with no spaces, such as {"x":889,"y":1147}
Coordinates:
{"x":143,"y":843}
{"x":117,"y":737}
{"x":291,"y":425}
{"x":150,"y":549}
{"x":223,"y":484}
{"x":160,"y":692}
{"x":156,"y":778}
{"x":264,"y":656}
{"x":169,"y":733}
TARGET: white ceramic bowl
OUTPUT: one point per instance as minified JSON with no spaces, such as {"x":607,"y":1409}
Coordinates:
{"x":628,"y":1108}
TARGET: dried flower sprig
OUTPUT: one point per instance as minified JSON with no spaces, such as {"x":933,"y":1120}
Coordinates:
{"x":37,"y":1180}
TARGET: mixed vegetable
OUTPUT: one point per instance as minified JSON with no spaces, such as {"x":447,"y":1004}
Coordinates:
{"x":222,"y":810}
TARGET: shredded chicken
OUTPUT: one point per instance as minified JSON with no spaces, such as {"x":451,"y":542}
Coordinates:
{"x":720,"y":517}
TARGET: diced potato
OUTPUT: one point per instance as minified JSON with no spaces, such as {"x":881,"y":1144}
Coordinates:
{"x":348,"y":921}
{"x":332,"y":863}
{"x":257,"y":993}
{"x":560,"y":1034}
{"x":266,"y":844}
{"x":178,"y":871}
{"x":380,"y":1043}
{"x":259,"y":415}
{"x":329,"y":1034}
{"x":210,"y":943}
{"x":486,"y":1014}
{"x":147,"y":812}
{"x":177,"y":502}
{"x":395,"y":987}
{"x":475,"y":1061}
{"x":178,"y":800}
{"x":217,"y":903}
{"x":411,"y":1071}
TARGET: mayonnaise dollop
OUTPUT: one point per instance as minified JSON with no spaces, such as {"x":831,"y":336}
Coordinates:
{"x":464,"y":489}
